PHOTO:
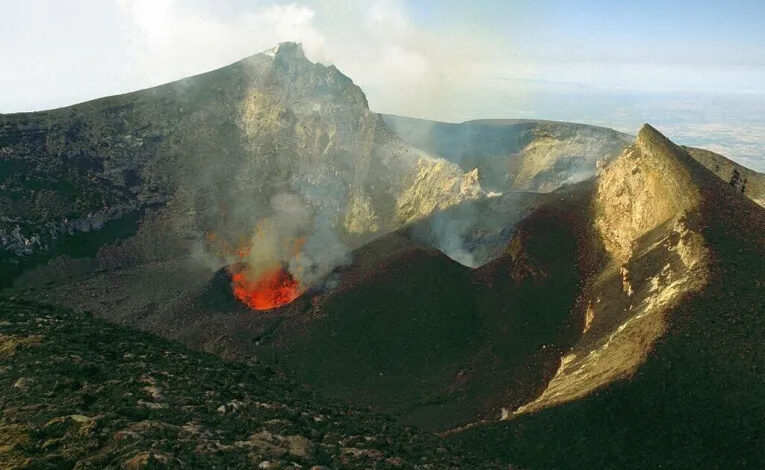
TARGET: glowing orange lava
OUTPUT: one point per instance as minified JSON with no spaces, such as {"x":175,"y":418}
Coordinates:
{"x":270,"y":290}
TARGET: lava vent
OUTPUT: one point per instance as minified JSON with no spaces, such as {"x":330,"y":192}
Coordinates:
{"x":264,"y":289}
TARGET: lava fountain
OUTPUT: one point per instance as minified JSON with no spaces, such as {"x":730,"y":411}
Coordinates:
{"x":269,"y":289}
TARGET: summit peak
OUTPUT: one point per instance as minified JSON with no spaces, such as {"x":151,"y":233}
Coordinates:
{"x":287,"y":50}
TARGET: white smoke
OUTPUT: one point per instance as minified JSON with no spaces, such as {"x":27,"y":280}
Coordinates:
{"x":171,"y":39}
{"x":298,"y":233}
{"x":275,"y":237}
{"x":321,"y":253}
{"x":450,"y":231}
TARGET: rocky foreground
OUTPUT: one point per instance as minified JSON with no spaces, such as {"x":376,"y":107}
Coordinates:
{"x":76,"y":392}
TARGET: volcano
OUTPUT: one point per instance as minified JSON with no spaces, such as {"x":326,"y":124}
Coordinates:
{"x":265,"y":290}
{"x":610,"y":315}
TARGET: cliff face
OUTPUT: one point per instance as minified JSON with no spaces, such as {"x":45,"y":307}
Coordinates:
{"x":208,"y":155}
{"x":563,"y":153}
{"x":644,"y":188}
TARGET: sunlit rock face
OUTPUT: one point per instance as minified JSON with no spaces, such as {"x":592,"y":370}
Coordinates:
{"x":515,"y":162}
{"x":642,"y":189}
{"x":538,"y":157}
{"x":561,"y":154}
{"x":436,"y":185}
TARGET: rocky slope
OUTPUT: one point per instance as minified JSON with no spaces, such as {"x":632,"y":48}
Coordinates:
{"x":151,"y":192}
{"x":416,"y":335}
{"x":76,"y":392}
{"x":540,"y":156}
{"x":667,"y":369}
{"x":619,"y":326}
{"x":644,"y":215}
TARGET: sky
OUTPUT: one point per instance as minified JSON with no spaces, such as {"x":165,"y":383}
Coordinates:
{"x":695,"y":69}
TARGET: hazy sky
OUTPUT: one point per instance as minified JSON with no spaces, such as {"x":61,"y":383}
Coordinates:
{"x":690,"y":66}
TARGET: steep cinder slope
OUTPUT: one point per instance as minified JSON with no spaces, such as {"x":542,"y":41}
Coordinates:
{"x":520,"y":155}
{"x":644,"y":215}
{"x":668,"y":369}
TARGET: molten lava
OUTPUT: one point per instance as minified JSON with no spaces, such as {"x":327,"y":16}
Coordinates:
{"x":270,"y":289}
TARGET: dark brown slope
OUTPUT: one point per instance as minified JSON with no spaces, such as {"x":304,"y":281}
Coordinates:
{"x":405,"y":330}
{"x":696,"y":400}
{"x":412,"y":333}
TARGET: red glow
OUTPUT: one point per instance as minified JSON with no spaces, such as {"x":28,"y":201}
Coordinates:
{"x":270,"y":290}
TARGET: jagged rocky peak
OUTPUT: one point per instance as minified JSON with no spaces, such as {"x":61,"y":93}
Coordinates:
{"x":291,"y":58}
{"x":286,"y":51}
{"x":652,"y":141}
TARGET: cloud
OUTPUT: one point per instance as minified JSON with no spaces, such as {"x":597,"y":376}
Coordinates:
{"x":739,"y":141}
{"x":402,"y":68}
{"x":170,"y":39}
